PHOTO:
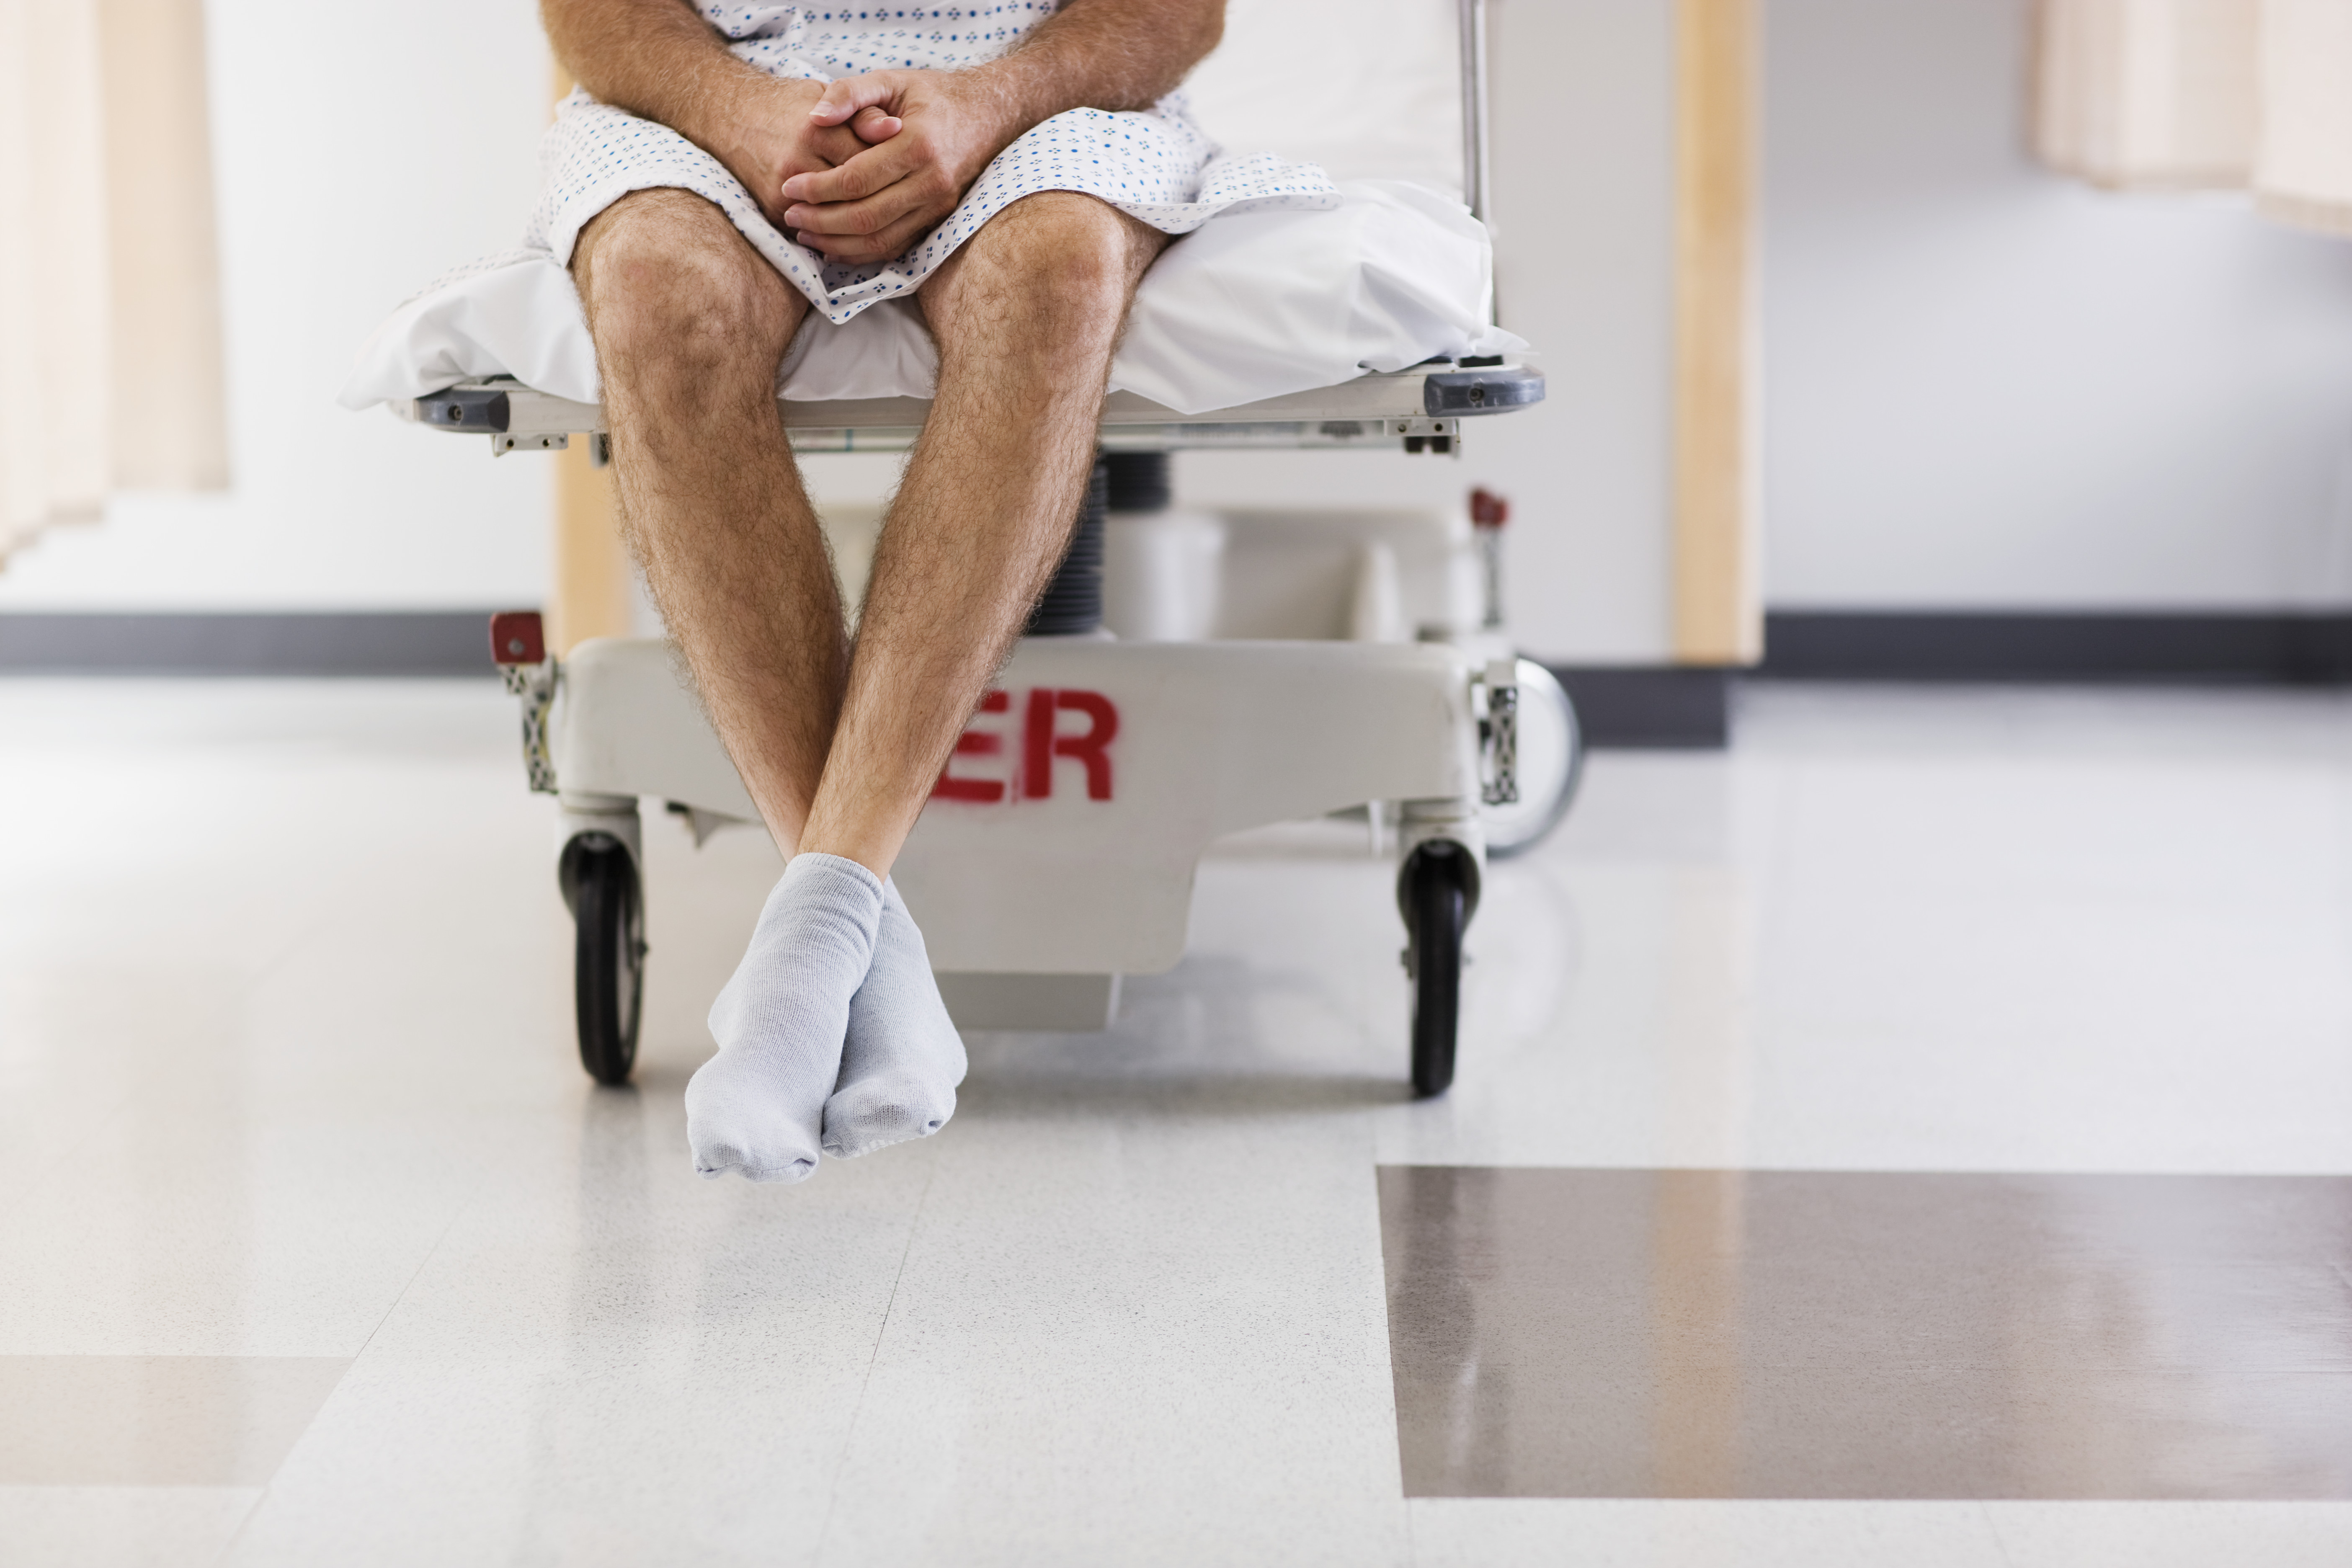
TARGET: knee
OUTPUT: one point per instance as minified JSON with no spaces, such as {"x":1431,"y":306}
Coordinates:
{"x":1072,"y":245}
{"x":667,"y":283}
{"x":1070,"y":255}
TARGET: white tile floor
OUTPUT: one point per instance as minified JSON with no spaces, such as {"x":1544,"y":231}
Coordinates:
{"x":285,"y":1072}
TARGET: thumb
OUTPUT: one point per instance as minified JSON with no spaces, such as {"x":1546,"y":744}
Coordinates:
{"x":874,"y":127}
{"x":844,"y":98}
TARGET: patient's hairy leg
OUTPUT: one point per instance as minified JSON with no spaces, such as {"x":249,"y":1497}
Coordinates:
{"x":690,"y":325}
{"x":1026,"y":315}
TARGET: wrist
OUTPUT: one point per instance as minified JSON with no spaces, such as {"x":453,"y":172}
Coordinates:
{"x":741,"y":119}
{"x":1005,"y":104}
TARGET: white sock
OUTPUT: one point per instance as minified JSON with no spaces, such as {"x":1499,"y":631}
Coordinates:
{"x":904,"y":1059}
{"x":757,"y":1106}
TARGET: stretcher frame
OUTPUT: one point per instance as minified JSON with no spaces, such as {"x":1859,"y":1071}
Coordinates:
{"x":1038,"y":888}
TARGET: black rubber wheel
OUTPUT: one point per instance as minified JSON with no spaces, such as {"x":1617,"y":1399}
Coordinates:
{"x":1436,"y":898}
{"x":608,"y":966}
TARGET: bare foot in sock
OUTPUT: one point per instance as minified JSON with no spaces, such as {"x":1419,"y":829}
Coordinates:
{"x":903,"y":1059}
{"x":758,"y":1106}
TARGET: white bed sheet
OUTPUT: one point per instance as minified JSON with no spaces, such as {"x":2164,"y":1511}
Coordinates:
{"x":1251,"y":305}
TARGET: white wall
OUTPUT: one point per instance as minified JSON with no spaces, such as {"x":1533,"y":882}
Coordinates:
{"x":363,"y":149}
{"x":1989,"y":387}
{"x":1583,"y":214}
{"x":1985,"y":386}
{"x":359,"y":151}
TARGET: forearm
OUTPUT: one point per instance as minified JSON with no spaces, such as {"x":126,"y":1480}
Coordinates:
{"x":1102,"y":54}
{"x":657,"y":59}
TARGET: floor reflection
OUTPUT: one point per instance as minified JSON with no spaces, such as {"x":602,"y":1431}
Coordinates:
{"x":1791,"y":1334}
{"x":155,"y":1420}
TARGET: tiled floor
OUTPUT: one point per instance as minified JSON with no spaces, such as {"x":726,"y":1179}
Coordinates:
{"x":285,"y":1088}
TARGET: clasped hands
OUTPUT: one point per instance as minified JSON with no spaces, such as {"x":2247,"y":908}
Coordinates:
{"x":860,"y":168}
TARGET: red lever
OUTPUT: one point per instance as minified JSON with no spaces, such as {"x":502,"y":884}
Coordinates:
{"x":1489,"y":509}
{"x":518,"y":637}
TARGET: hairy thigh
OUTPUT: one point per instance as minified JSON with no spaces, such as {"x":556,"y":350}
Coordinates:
{"x":665,"y":280}
{"x":1057,"y":268}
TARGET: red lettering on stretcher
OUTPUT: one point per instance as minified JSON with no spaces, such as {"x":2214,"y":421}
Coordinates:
{"x":975,"y":743}
{"x":1043,"y":743}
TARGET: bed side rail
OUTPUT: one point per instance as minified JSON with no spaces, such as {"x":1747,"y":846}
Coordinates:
{"x":1422,"y":409}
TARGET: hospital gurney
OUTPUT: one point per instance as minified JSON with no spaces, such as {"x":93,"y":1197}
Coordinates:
{"x":1059,"y":848}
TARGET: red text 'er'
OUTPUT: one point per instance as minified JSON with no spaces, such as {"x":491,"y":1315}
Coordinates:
{"x":1043,"y":742}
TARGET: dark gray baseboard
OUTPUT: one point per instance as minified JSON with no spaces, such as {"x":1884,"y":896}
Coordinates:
{"x":1618,"y":706}
{"x":1637,"y":705}
{"x":357,"y":643}
{"x":2092,"y":647}
{"x":1650,"y":706}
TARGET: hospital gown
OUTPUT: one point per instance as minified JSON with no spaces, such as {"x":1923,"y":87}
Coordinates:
{"x":1154,"y":164}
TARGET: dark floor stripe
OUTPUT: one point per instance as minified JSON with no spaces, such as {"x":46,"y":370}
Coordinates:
{"x":1726,"y":1334}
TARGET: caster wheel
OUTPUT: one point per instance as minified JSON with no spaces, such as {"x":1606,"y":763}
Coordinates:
{"x":1550,"y":763}
{"x":609,"y":960}
{"x":1436,"y":889}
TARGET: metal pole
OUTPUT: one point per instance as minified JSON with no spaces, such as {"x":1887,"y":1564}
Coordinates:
{"x":1473,"y":14}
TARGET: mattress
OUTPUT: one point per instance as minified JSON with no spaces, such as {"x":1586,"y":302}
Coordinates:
{"x":1253,"y":304}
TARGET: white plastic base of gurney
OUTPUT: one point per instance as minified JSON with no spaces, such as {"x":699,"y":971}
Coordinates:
{"x":1069,"y":1004}
{"x":1086,"y":870}
{"x":1374,"y":410}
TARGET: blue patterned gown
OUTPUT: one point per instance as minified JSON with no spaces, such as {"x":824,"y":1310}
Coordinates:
{"x":1154,"y":164}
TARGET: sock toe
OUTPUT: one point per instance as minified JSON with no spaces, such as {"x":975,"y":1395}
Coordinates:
{"x":730,"y":1126}
{"x":714,"y":1159}
{"x":876,"y":1113}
